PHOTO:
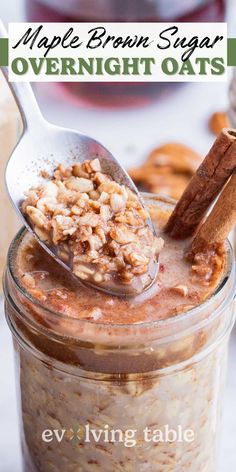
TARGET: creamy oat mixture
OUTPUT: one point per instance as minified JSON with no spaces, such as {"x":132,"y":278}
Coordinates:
{"x":58,"y":400}
{"x":98,"y":226}
{"x":86,"y":358}
{"x":180,"y":286}
{"x":69,"y":382}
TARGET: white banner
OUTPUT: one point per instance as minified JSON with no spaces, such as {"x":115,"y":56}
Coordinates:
{"x":118,"y":52}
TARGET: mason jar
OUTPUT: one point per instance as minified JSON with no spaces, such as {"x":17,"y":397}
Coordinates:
{"x":103,"y":397}
{"x":121,"y":94}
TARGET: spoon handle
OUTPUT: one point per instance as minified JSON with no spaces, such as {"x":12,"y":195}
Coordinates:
{"x":24,"y":96}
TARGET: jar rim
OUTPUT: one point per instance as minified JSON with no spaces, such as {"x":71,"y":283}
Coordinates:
{"x":170,"y":321}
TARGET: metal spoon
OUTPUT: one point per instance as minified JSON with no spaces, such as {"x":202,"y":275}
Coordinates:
{"x":41,"y":148}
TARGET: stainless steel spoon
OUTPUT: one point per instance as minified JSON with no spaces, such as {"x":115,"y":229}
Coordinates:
{"x":41,"y":148}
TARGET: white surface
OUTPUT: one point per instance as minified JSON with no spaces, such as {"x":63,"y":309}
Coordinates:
{"x":129,"y":134}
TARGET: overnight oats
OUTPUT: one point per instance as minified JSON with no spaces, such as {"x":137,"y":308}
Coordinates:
{"x":10,"y":130}
{"x":98,"y":227}
{"x":134,"y":383}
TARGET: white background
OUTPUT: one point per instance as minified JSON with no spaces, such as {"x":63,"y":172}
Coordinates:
{"x":129,"y":134}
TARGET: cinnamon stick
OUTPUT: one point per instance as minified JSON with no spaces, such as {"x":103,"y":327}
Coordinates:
{"x":220,"y":221}
{"x":204,"y":186}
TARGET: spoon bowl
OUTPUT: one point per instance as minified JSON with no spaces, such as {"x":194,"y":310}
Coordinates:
{"x":41,"y":148}
{"x":50,"y":146}
{"x":38,"y":154}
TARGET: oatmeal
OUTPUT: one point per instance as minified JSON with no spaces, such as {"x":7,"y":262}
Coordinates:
{"x":91,"y":360}
{"x":180,"y":283}
{"x":98,"y":223}
{"x":86,"y":360}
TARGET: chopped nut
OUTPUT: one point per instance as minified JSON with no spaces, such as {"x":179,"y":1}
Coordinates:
{"x":104,"y":197}
{"x":136,"y":259}
{"x":95,"y":165}
{"x":69,"y":231}
{"x":61,"y":210}
{"x":85,"y":269}
{"x":76,"y":210}
{"x":129,"y":218}
{"x":82,"y":271}
{"x":110,"y":187}
{"x":62,"y":226}
{"x":77,"y":171}
{"x":93,"y":220}
{"x":100,"y":178}
{"x":95,"y":242}
{"x":43,"y":235}
{"x":80,"y":184}
{"x":100,"y":232}
{"x":94,"y":204}
{"x":105,"y":212}
{"x":181,"y":290}
{"x":94,"y":195}
{"x":47,"y":204}
{"x":90,"y":219}
{"x":117,"y":202}
{"x":62,"y":173}
{"x":122,"y":234}
{"x":37,"y":217}
{"x":82,"y":200}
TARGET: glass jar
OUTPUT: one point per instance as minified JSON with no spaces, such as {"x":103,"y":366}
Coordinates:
{"x":141,"y":397}
{"x":122,"y":94}
{"x":125,"y":10}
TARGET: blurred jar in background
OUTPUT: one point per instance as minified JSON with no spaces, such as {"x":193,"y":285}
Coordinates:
{"x":123,"y":94}
{"x":10,"y":129}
